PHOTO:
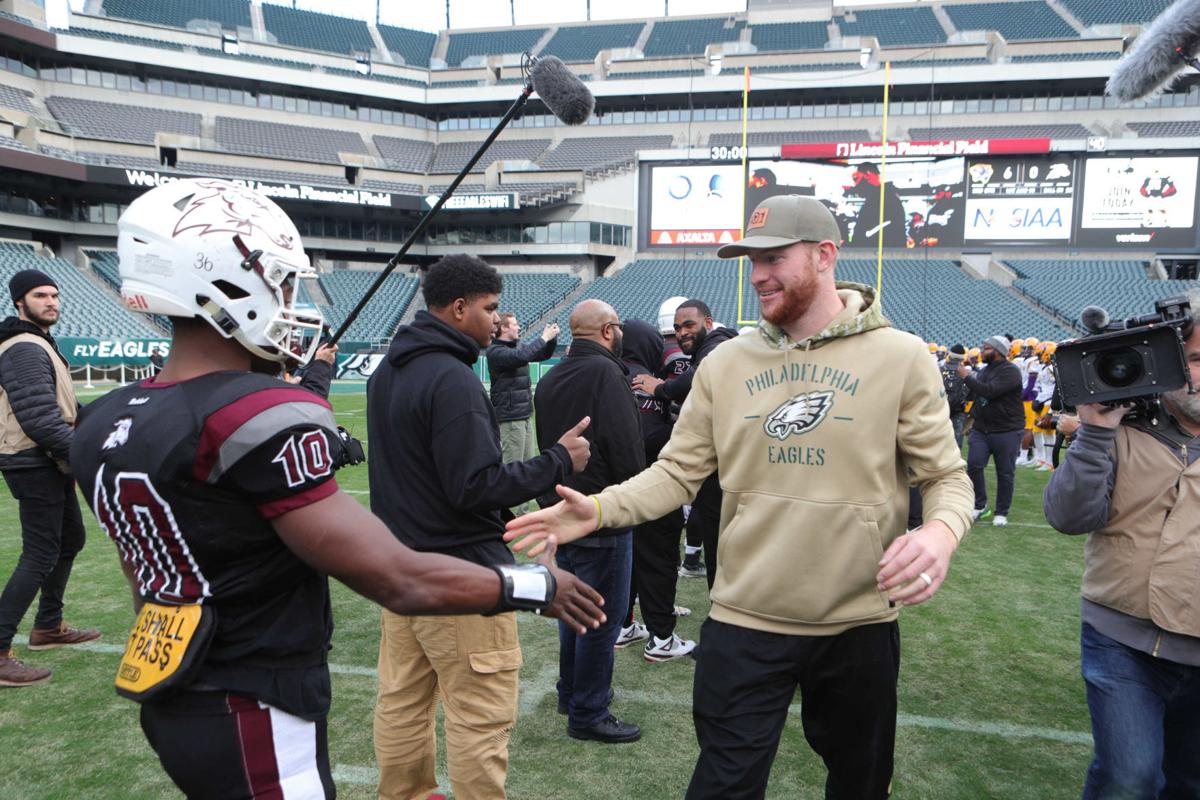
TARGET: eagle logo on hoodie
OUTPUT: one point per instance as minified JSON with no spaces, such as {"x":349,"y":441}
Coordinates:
{"x":799,"y":414}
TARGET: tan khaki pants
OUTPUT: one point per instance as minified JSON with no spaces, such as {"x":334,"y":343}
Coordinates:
{"x":472,"y":664}
{"x":518,"y":443}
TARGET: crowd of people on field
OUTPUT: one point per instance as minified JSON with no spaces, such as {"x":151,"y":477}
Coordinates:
{"x":815,"y":462}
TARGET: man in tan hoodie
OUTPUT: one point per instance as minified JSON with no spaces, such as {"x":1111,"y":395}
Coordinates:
{"x":815,"y":422}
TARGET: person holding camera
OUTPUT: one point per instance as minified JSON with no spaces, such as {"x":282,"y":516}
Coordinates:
{"x":1134,"y":487}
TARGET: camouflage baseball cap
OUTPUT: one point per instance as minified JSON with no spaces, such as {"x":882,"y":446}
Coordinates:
{"x":782,"y":220}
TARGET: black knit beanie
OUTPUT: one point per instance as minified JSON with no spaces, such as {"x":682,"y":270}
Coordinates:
{"x":26,"y":281}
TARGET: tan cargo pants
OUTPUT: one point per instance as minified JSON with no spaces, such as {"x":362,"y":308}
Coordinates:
{"x":472,"y":664}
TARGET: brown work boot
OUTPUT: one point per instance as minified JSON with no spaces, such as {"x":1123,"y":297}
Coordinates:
{"x":15,"y":673}
{"x":64,"y":634}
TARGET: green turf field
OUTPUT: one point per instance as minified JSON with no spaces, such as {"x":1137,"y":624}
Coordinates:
{"x":991,"y":702}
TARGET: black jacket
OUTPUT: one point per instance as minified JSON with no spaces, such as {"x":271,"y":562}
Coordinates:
{"x":27,"y":377}
{"x":316,"y":376}
{"x":508,"y":363}
{"x":676,"y":390}
{"x":643,"y":355}
{"x":997,"y":393}
{"x":591,"y":381}
{"x":435,"y":469}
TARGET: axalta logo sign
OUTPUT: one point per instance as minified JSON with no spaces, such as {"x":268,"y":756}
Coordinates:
{"x":709,"y":237}
{"x":278,"y":191}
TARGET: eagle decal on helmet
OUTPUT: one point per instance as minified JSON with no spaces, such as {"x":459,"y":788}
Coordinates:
{"x":227,"y":209}
{"x":799,"y":414}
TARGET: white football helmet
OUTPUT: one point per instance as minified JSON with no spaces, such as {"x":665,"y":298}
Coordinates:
{"x":230,"y":256}
{"x":666,"y":314}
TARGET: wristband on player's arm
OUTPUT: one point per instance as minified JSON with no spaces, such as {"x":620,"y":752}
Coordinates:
{"x":529,"y":587}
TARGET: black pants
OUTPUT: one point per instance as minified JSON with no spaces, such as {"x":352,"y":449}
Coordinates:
{"x":655,"y":560}
{"x":1004,"y":447}
{"x":231,"y":747}
{"x":51,"y":535}
{"x":705,"y":521}
{"x":745,"y":680}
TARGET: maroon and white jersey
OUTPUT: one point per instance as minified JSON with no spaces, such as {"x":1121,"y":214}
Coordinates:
{"x":185,"y":478}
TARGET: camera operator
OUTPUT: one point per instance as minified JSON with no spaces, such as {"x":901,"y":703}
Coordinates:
{"x":1134,"y":488}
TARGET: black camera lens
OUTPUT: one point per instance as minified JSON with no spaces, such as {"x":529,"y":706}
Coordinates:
{"x":1121,"y":367}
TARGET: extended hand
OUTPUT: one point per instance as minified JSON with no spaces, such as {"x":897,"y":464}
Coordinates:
{"x":571,"y":519}
{"x":646,"y":383}
{"x":963,"y":370}
{"x":578,"y":448}
{"x":550,"y":331}
{"x":924,"y":552}
{"x":575,"y":603}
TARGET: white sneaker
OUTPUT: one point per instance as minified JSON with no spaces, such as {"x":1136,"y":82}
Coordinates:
{"x":667,"y":649}
{"x":636,"y":632}
{"x":1045,"y":466}
{"x":1000,"y":520}
{"x":682,"y":611}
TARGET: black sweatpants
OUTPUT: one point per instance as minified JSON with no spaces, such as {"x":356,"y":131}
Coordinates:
{"x":705,"y":521}
{"x":655,"y":561}
{"x":745,"y":680}
{"x":52,"y":534}
{"x":225,"y":746}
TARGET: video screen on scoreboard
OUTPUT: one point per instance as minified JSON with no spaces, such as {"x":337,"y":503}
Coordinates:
{"x":1147,"y":201}
{"x":1020,"y":199}
{"x":695,"y":205}
{"x":921,"y":200}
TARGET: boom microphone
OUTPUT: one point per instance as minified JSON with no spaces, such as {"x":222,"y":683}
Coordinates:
{"x":1159,"y":53}
{"x":561,"y":90}
{"x":1094,"y":318}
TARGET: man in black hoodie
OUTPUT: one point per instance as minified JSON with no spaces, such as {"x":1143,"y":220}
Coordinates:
{"x":999,"y":423}
{"x":38,"y":407}
{"x":591,"y":381}
{"x":655,"y":543}
{"x":438,"y":482}
{"x":698,"y":336}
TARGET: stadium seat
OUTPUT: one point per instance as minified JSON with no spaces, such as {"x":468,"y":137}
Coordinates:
{"x":894,"y":27}
{"x":1112,"y":12}
{"x":690,"y":37}
{"x":379,"y":317}
{"x":293,"y":142}
{"x":119,"y":122}
{"x":582,"y":42}
{"x":789,"y":36}
{"x":414,"y":47}
{"x":313,"y":31}
{"x":600,"y":152}
{"x":178,"y":13}
{"x":1061,"y":131}
{"x":491,"y":43}
{"x":1123,"y":288}
{"x":1027,"y":19}
{"x":452,"y":156}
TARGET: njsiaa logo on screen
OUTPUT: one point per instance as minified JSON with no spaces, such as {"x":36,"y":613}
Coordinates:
{"x":1019,"y":218}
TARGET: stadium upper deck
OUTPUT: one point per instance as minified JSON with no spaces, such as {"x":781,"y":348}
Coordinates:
{"x":142,"y":88}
